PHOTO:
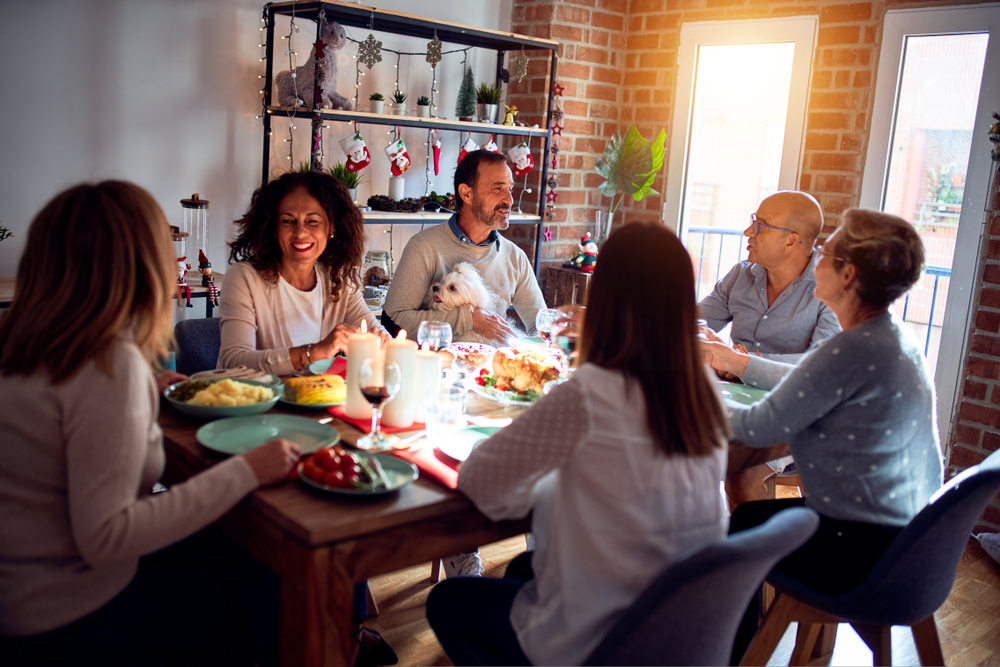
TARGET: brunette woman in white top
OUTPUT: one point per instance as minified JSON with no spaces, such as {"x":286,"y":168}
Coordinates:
{"x":94,"y":568}
{"x":620,"y":467}
{"x":295,"y":293}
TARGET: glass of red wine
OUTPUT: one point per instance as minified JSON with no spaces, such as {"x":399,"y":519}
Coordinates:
{"x":379,"y":383}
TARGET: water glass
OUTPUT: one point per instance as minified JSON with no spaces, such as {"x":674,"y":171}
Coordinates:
{"x":436,"y":335}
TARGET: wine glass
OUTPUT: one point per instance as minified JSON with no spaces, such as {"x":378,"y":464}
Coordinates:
{"x":379,"y":383}
{"x":565,"y":334}
{"x":544,"y":320}
{"x":437,"y":335}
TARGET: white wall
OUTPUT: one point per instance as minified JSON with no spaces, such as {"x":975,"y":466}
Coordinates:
{"x":165,"y":93}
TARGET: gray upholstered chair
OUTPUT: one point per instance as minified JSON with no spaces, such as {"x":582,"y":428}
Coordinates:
{"x":690,"y":613}
{"x":198,"y":343}
{"x":911,"y":580}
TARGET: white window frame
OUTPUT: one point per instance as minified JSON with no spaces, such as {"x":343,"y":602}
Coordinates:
{"x":972,"y":220}
{"x":802,"y":31}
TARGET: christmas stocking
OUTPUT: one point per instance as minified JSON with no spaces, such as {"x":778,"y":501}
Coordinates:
{"x":398,"y":157}
{"x":468,"y":147}
{"x":357,"y":153}
{"x":521,"y":157}
{"x":491,"y":145}
{"x":437,"y":152}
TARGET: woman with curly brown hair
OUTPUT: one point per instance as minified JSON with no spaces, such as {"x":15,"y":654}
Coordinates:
{"x":294,"y":293}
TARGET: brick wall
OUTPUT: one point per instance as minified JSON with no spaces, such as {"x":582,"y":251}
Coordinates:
{"x":977,"y":424}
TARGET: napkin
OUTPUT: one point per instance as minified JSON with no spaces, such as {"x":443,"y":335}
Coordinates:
{"x":338,"y":367}
{"x":366,"y":424}
{"x":430,"y":465}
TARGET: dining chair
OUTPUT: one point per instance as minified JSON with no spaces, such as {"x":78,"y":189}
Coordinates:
{"x":911,"y":580}
{"x":690,"y":613}
{"x":198,"y":343}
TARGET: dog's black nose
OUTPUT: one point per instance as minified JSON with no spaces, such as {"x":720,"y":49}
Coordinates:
{"x":434,"y":288}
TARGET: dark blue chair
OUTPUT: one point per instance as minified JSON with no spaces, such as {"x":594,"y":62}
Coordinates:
{"x":911,"y":580}
{"x":690,"y":613}
{"x":198,"y":343}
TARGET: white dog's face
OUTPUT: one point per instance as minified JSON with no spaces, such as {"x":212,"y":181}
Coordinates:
{"x":462,"y":286}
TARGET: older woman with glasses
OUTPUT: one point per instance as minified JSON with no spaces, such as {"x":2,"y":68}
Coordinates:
{"x":858,"y":411}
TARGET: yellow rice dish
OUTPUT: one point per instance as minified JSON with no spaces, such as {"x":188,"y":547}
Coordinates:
{"x":229,"y":393}
{"x":318,"y":389}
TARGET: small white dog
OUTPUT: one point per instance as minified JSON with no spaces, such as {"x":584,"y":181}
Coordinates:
{"x":463,"y":286}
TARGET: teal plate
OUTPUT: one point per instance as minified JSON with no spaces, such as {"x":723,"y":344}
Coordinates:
{"x":320,"y":367}
{"x":458,"y":444}
{"x":398,"y":474}
{"x":238,"y":435}
{"x":218,"y":412}
{"x":742,"y":393}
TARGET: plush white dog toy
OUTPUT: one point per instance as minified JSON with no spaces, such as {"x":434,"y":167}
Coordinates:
{"x":300,"y":80}
{"x":463,"y":286}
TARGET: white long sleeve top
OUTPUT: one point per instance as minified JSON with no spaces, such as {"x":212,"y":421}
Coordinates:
{"x":610,"y":510}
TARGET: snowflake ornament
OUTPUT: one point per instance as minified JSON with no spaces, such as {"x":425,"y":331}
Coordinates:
{"x":434,"y":51}
{"x":521,"y":67}
{"x":370,"y":51}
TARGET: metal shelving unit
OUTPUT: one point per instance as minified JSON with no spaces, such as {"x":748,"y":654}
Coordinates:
{"x":360,"y":16}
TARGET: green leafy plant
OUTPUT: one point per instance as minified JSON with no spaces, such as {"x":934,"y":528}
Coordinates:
{"x":350,"y":179}
{"x":423,"y":101}
{"x":376,"y":97}
{"x":629,"y":166}
{"x":399,"y":97}
{"x":488,"y":93}
{"x":5,"y":233}
{"x":303,"y":165}
{"x":465,"y":106}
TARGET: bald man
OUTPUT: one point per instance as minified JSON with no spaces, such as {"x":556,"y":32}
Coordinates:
{"x":770,"y":300}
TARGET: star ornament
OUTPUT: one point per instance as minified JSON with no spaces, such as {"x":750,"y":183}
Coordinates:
{"x":557,"y":130}
{"x":320,"y":47}
{"x":550,"y":197}
{"x":434,"y":52}
{"x":557,"y":90}
{"x":370,"y":51}
{"x":547,"y":234}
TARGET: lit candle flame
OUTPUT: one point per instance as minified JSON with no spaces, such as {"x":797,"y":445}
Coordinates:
{"x":364,"y":326}
{"x":425,"y":347}
{"x":401,"y":335}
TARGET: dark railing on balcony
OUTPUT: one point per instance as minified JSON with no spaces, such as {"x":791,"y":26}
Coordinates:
{"x":710,"y":262}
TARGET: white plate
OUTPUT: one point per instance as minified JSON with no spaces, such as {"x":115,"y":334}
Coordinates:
{"x":458,"y":444}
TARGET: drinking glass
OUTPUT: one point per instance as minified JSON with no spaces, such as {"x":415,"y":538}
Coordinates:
{"x":437,"y":335}
{"x":544,"y":320}
{"x":565,"y":334}
{"x":379,"y":383}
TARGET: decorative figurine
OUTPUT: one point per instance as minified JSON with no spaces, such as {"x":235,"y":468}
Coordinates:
{"x":508,"y":118}
{"x":205,"y":268}
{"x":182,"y":283}
{"x":589,"y":249}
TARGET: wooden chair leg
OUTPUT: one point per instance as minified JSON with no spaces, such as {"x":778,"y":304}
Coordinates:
{"x":372,"y":604}
{"x":436,"y":570}
{"x":766,"y":597}
{"x":925,"y":636}
{"x":879,"y":640}
{"x":805,"y":640}
{"x":771,"y":630}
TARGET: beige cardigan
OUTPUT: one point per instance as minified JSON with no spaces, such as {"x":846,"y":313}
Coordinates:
{"x":253,"y":333}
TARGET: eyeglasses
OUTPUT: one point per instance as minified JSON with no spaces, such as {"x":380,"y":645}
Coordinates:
{"x":758,"y":225}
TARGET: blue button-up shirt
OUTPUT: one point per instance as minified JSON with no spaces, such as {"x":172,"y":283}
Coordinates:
{"x":781,"y":331}
{"x":492,"y":238}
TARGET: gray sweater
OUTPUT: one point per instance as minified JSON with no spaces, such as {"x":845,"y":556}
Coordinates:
{"x":435,"y":251}
{"x":859,"y":417}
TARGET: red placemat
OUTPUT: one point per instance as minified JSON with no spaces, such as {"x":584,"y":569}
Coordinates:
{"x":338,"y":367}
{"x":430,"y":465}
{"x":366,"y":424}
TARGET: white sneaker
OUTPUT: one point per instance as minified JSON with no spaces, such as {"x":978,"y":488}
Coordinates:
{"x":464,"y":565}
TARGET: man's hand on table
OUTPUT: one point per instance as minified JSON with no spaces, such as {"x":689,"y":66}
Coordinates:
{"x":490,"y":325}
{"x":724,"y":360}
{"x":272,"y":461}
{"x":166,"y":378}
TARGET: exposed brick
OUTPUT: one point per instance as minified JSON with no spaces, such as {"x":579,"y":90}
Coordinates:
{"x":821,"y":141}
{"x":993,"y":250}
{"x":825,"y":120}
{"x":658,"y":59}
{"x":863,"y":79}
{"x":572,"y":14}
{"x":834,"y":162}
{"x":991,"y":441}
{"x":990,"y":297}
{"x":854,"y":99}
{"x":840,"y":78}
{"x":822,"y":79}
{"x":541,"y":13}
{"x":578,"y":127}
{"x":992,"y":274}
{"x":870,"y":32}
{"x":599,"y":37}
{"x":845,"y":34}
{"x":661,"y":22}
{"x":988,"y":321}
{"x":607,"y":21}
{"x":836,"y":184}
{"x":988,"y":369}
{"x":851,"y":142}
{"x":643,"y":42}
{"x":569,"y":69}
{"x":846,"y":13}
{"x":647,"y":6}
{"x":603,"y":111}
{"x":836,"y":205}
{"x":721,"y":4}
{"x":565,"y":33}
{"x":805,"y":182}
{"x":975,"y":390}
{"x":979,"y":414}
{"x":992,"y":513}
{"x":995,"y":226}
{"x":989,"y":345}
{"x":640,"y":78}
{"x":969,"y":435}
{"x":834,"y":57}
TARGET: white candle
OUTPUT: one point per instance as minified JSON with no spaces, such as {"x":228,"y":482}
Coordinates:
{"x":400,"y":411}
{"x":428,"y":380}
{"x":395,"y":188}
{"x":360,"y":346}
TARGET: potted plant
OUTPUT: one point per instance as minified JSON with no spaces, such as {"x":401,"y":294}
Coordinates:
{"x":350,"y":179}
{"x":423,"y":106}
{"x":375,"y":102}
{"x":465,"y":105}
{"x":5,"y":233}
{"x":488,"y":101}
{"x":398,"y":99}
{"x":628,"y":166}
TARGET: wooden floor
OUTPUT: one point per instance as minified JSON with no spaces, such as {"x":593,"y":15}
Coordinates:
{"x":968,"y":622}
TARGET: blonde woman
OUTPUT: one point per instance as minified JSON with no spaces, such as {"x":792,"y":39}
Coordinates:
{"x":93,"y":566}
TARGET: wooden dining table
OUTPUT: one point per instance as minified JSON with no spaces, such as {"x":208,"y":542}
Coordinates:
{"x":321,"y":544}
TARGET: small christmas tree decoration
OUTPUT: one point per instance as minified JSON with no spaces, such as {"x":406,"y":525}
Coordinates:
{"x":370,"y":51}
{"x":434,"y":51}
{"x":468,"y":147}
{"x":398,"y":157}
{"x":465,"y":106}
{"x":356,"y":151}
{"x":520,"y":155}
